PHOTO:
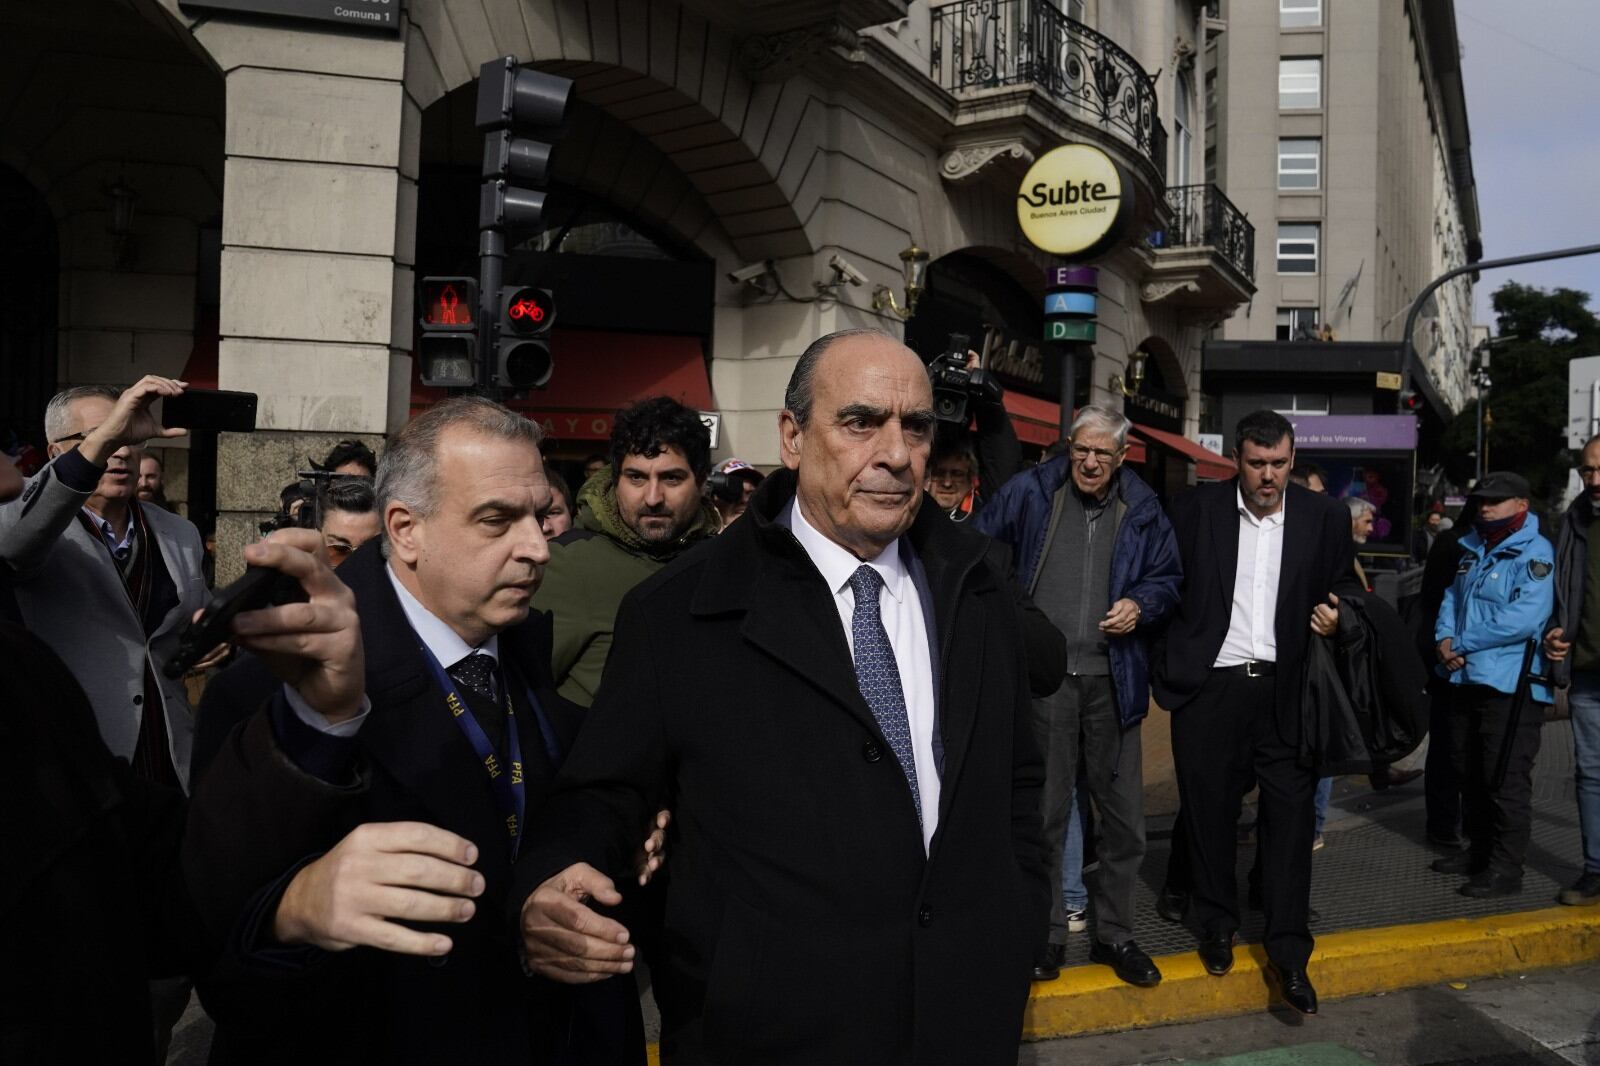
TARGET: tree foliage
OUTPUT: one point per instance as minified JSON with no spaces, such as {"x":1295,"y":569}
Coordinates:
{"x":1528,"y":400}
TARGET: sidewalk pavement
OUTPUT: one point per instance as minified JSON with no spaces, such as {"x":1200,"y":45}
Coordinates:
{"x":1387,"y":920}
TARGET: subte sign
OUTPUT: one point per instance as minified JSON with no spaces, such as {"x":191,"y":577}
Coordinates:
{"x":1075,"y":202}
{"x":381,"y":16}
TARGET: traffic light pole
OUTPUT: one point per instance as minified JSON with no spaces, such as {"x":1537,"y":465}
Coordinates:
{"x":1408,"y":350}
{"x":491,"y":272}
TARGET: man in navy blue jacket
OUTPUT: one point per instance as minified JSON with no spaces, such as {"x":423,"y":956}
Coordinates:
{"x":1093,"y":548}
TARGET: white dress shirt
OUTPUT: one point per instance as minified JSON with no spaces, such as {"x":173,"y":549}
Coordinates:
{"x":1252,"y":632}
{"x":901,"y":609}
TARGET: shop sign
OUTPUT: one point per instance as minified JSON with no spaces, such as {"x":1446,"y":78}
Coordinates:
{"x":1355,"y":432}
{"x":1159,"y":409}
{"x":1013,"y":360}
{"x":1075,"y":201}
{"x":713,"y":423}
{"x":382,"y":16}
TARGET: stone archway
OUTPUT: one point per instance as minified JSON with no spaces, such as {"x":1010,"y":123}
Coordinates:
{"x":744,"y":148}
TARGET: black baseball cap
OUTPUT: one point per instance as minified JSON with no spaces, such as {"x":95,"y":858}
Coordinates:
{"x":1502,"y":485}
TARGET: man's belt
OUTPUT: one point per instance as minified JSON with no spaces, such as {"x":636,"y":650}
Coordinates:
{"x":1253,"y":668}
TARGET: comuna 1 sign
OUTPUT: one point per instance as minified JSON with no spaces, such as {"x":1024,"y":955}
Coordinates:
{"x":1075,"y":201}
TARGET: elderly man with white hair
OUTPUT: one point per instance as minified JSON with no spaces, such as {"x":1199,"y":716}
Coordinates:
{"x":1092,"y":546}
{"x":1362,"y":514}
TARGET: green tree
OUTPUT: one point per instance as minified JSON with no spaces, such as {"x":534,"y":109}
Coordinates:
{"x":1528,"y":400}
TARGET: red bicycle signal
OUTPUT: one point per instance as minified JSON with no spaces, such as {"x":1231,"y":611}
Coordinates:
{"x":528,"y":311}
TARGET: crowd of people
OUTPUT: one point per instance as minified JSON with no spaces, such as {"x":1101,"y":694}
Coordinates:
{"x":822,"y":754}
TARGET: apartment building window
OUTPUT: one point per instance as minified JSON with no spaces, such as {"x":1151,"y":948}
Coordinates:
{"x":1297,"y":323}
{"x":1299,"y":83}
{"x":1299,"y":163}
{"x":1301,"y":403}
{"x":1292,"y":14}
{"x":1183,"y":139}
{"x":1297,"y":247}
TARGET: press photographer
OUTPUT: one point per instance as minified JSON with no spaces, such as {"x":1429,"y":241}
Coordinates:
{"x":964,"y":462}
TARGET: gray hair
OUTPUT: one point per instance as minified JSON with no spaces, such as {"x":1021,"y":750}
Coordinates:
{"x":1091,"y":416}
{"x":58,"y":412}
{"x":797,"y":397}
{"x":408,"y":471}
{"x":1359,"y":506}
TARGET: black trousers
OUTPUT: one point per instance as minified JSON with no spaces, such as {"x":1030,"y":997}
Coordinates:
{"x":1441,"y":783}
{"x":1223,"y":739}
{"x":1497,"y":816}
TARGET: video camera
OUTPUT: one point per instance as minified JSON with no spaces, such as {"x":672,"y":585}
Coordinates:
{"x":309,"y":514}
{"x":720,"y":485}
{"x":955,"y":388}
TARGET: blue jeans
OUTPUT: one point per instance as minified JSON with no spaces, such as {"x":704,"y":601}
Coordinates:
{"x":1073,"y":893}
{"x":1324,"y":793}
{"x":1584,"y":700}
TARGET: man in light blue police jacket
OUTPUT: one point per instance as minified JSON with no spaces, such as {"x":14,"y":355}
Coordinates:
{"x":1497,"y":608}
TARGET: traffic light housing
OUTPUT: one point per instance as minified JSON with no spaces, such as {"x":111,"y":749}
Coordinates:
{"x":1410,"y":401}
{"x":448,"y":348}
{"x":522,"y":350}
{"x":517,"y":109}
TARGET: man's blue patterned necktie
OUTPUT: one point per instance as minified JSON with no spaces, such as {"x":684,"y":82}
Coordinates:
{"x":878,"y":675}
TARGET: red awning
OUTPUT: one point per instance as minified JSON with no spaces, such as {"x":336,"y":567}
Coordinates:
{"x":599,"y":371}
{"x":1207,"y":464}
{"x":1039,"y":422}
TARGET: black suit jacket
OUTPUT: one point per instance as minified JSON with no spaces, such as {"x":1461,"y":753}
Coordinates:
{"x":1317,"y":555}
{"x":256,"y":817}
{"x":803,"y":922}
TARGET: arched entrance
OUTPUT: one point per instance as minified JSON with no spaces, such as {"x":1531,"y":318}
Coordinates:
{"x":29,"y":266}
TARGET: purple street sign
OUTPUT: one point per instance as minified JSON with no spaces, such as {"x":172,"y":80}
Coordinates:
{"x":1072,"y":277}
{"x":1382,"y":433}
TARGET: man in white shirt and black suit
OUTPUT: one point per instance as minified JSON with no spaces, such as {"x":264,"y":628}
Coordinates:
{"x":857,"y":869}
{"x":1261,"y":559}
{"x":352,"y":856}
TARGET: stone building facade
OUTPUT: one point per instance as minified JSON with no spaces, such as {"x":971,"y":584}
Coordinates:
{"x":249,"y":201}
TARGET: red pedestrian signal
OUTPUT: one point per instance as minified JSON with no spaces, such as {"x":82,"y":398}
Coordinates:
{"x":448,"y":303}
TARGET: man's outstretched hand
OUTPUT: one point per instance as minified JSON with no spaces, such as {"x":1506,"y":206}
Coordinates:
{"x":380,"y":872}
{"x":564,"y":939}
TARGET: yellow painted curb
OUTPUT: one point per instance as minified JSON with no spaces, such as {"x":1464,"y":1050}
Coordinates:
{"x":1360,"y":962}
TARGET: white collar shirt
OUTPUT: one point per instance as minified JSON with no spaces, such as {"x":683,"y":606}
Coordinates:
{"x":1252,"y":632}
{"x":903,"y":621}
{"x":445,"y":643}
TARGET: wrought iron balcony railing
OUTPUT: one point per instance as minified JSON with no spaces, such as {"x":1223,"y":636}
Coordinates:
{"x":1203,"y":217}
{"x":984,"y":44}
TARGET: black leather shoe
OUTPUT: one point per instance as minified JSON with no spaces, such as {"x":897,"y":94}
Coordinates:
{"x":1128,"y":960}
{"x":1491,"y":886}
{"x":1462,"y":862}
{"x":1047,"y":964}
{"x":1295,"y":988}
{"x":1171,"y":903}
{"x":1216,"y":955}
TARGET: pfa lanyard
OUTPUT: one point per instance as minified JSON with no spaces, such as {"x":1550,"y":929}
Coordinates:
{"x":506,"y":782}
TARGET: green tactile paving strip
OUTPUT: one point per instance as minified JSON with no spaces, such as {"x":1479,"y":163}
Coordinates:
{"x":1374,"y":870}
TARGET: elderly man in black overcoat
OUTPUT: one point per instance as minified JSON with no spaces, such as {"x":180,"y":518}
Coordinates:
{"x":856,"y":869}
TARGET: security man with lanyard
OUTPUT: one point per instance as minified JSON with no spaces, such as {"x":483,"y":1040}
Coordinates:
{"x":353,"y":855}
{"x":1487,"y":638}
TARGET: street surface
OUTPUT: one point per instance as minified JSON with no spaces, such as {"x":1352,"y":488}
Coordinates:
{"x":1545,"y":1018}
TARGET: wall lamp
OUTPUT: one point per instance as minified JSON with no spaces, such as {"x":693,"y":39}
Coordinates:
{"x":914,"y":266}
{"x":1135,"y":375}
{"x":124,"y":245}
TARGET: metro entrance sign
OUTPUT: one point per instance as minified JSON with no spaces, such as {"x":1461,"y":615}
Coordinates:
{"x":379,"y":16}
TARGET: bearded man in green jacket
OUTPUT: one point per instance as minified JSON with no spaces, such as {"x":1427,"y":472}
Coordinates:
{"x":634,"y":516}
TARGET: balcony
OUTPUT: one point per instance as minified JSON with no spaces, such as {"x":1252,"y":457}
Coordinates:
{"x":997,"y":44}
{"x":1207,"y":256}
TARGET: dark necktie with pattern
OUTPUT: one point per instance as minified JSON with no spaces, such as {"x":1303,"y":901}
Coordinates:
{"x":878,"y":675}
{"x":476,"y":677}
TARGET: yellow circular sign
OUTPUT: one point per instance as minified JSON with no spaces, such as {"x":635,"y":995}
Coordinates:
{"x":1074,"y":201}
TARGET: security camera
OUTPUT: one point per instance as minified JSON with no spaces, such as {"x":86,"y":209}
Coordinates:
{"x":843,"y":271}
{"x":748,"y":274}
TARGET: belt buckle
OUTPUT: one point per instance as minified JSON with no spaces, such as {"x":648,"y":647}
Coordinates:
{"x":1250,"y":669}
